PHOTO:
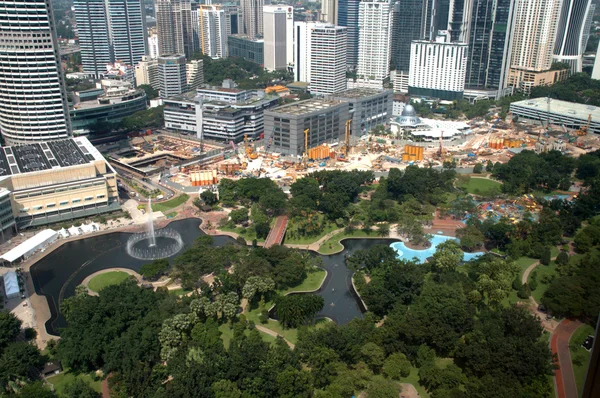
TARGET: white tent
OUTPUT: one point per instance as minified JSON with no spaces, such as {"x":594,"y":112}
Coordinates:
{"x":11,"y":285}
{"x":31,"y":245}
{"x":63,"y":232}
{"x":74,"y":231}
{"x":87,"y":228}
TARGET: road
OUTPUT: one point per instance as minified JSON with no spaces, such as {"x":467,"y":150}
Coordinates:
{"x":566,"y":387}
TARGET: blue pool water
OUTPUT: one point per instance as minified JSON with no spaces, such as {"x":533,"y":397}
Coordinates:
{"x":555,"y":197}
{"x":405,"y":253}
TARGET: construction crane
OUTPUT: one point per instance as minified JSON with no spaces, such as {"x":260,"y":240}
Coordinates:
{"x":347,"y":138}
{"x":583,"y":130}
{"x":249,"y":151}
{"x":305,"y":154}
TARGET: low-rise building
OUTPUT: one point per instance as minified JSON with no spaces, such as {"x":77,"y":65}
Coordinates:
{"x":172,"y":75}
{"x":146,"y":72}
{"x":212,"y":113}
{"x":524,"y":79}
{"x":109,"y":102}
{"x":369,"y":107}
{"x":250,"y":49}
{"x":57,"y":181}
{"x":324,"y":119}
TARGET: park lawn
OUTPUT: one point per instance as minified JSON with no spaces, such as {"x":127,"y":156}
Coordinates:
{"x":333,"y":245}
{"x":413,"y":378}
{"x":579,"y":355}
{"x":312,"y":282}
{"x":227,"y":335}
{"x":59,"y":381}
{"x":307,"y":240}
{"x":478,"y":185}
{"x":101,"y":281}
{"x":172,"y":214}
{"x":247,"y":233}
{"x":170,"y":204}
{"x":542,"y":270}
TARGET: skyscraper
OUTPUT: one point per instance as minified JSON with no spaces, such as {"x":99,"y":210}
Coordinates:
{"x":174,"y":27}
{"x":374,"y":22}
{"x":408,"y":24}
{"x":329,"y":10}
{"x":459,"y":18}
{"x":109,"y":31}
{"x":33,"y":101}
{"x":172,"y":75}
{"x":347,"y":16}
{"x":279,"y":36}
{"x":302,"y":50}
{"x":234,"y":21}
{"x":572,"y":32}
{"x":328,"y":59}
{"x":252,"y":12}
{"x":213,"y":31}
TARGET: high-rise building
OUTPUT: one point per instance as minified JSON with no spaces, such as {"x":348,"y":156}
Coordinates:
{"x":374,"y":21}
{"x":572,"y":32}
{"x":245,"y":47}
{"x":459,"y":18}
{"x":408,"y":24}
{"x":233,"y":19}
{"x":329,"y":10}
{"x":489,"y":44}
{"x":174,"y":27}
{"x":252,"y":12}
{"x":196,"y":15}
{"x":328,"y":59}
{"x":172,"y":75}
{"x":302,"y":50}
{"x":146,"y":72}
{"x":347,"y":16}
{"x":279,"y":36}
{"x":194,"y":74}
{"x":534,"y":30}
{"x":437,"y":69}
{"x":213,"y":31}
{"x":153,"y":46}
{"x":33,"y":101}
{"x":109,"y":31}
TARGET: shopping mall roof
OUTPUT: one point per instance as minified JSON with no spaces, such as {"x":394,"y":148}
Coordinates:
{"x":46,"y":155}
{"x":571,"y":109}
{"x":304,"y":107}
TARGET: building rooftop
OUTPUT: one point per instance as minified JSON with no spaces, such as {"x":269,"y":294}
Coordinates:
{"x":565,"y":108}
{"x":46,"y":155}
{"x":306,"y":106}
{"x":359,"y":92}
{"x":244,"y":37}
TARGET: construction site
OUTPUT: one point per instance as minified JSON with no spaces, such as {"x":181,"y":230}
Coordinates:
{"x":189,"y":162}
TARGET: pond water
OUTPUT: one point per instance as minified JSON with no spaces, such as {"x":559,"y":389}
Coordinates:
{"x":406,"y":253}
{"x":58,"y":274}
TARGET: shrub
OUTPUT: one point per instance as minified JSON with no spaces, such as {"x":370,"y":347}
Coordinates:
{"x":264,"y":316}
{"x":524,"y":292}
{"x":562,"y":258}
{"x":478,"y":168}
{"x":546,"y":256}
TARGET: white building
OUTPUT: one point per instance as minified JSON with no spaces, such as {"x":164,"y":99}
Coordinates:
{"x":596,"y":70}
{"x":119,"y":71}
{"x":572,"y":32}
{"x":302,"y":50}
{"x":172,"y":75}
{"x":329,"y":11}
{"x":278,"y":36}
{"x":33,"y":101}
{"x":153,"y":46}
{"x":146,"y":72}
{"x":437,"y":69}
{"x":374,"y":34}
{"x":213,"y":31}
{"x":194,"y":74}
{"x":328,"y":59}
{"x":399,"y":80}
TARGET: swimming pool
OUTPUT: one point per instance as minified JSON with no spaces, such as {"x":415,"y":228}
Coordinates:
{"x":405,"y":253}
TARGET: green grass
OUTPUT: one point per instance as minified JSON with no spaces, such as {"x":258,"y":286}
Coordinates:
{"x":179,"y":292}
{"x":65,"y":377}
{"x":479,"y":185}
{"x":333,"y":245}
{"x":227,"y":335}
{"x":101,"y":281}
{"x":247,"y":233}
{"x":172,"y":214}
{"x":579,"y":355}
{"x":542,"y":270}
{"x":312,"y":282}
{"x":307,"y":240}
{"x":170,"y":204}
{"x":413,"y":378}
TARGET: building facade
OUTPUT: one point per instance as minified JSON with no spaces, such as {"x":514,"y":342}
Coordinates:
{"x":252,"y":13}
{"x":328,"y":59}
{"x":347,"y":16}
{"x":407,"y":25}
{"x":329,"y":10}
{"x":572,"y":33}
{"x":57,"y":181}
{"x":324,"y":119}
{"x":278,"y":36}
{"x":172,"y":75}
{"x":374,"y":22}
{"x":194,"y":74}
{"x":213,"y":31}
{"x":245,"y":47}
{"x":33,"y":101}
{"x":174,"y":27}
{"x":110,"y":31}
{"x":146,"y":72}
{"x":302,"y":50}
{"x":367,"y":108}
{"x":437,"y":69}
{"x":234,"y":23}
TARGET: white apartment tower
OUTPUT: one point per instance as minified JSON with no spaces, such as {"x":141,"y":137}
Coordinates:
{"x":194,"y":75}
{"x":213,"y":31}
{"x":329,"y":11}
{"x":33,"y":101}
{"x":252,"y":13}
{"x":153,"y":46}
{"x":146,"y":72}
{"x":174,"y":27}
{"x":437,"y":69}
{"x":278,"y":36}
{"x":172,"y":75}
{"x":302,"y":50}
{"x":328,"y":59}
{"x":572,"y":32}
{"x":374,"y":30}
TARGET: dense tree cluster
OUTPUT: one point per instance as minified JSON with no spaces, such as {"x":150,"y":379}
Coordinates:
{"x":580,"y":88}
{"x":155,"y":269}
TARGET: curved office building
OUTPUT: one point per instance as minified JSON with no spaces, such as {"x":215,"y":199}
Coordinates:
{"x":572,"y":33}
{"x":33,"y":102}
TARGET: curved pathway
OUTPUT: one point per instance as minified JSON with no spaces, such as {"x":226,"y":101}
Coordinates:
{"x":565,"y":384}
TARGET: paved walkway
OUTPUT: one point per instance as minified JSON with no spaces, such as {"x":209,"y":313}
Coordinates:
{"x":565,"y":384}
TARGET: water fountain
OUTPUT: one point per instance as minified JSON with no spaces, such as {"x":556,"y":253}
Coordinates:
{"x":154,"y":245}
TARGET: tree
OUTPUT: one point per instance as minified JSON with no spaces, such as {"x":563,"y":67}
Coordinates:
{"x":546,"y":256}
{"x":293,"y":383}
{"x":19,"y":361}
{"x":383,"y":229}
{"x":373,"y":356}
{"x":225,"y":389}
{"x":78,"y":388}
{"x":447,"y":257}
{"x":383,"y":388}
{"x":294,"y":310}
{"x":209,"y":197}
{"x":35,"y":390}
{"x":155,"y":269}
{"x":478,"y":168}
{"x":562,"y":258}
{"x":151,"y":92}
{"x":10,"y":327}
{"x":493,"y":277}
{"x":489,"y":166}
{"x":396,"y":366}
{"x":239,"y":216}
{"x":583,"y":242}
{"x":470,"y":237}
